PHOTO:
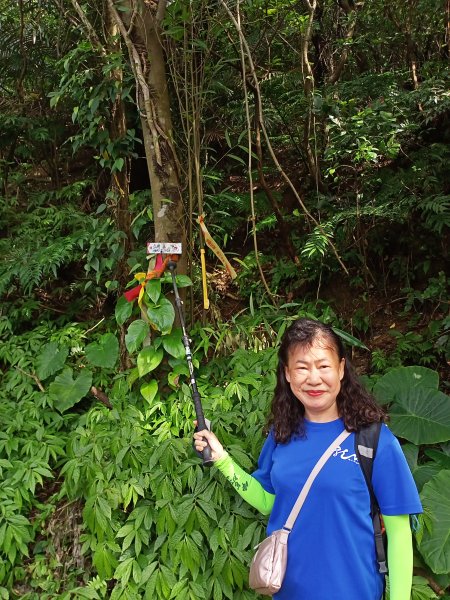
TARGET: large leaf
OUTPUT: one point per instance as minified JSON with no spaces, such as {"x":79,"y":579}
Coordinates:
{"x":51,"y":360}
{"x":123,"y":310}
{"x":397,"y":382}
{"x":162,"y":315}
{"x":148,"y":359}
{"x":422,"y":416}
{"x":173,"y":345}
{"x":435,"y":544}
{"x":67,"y":391}
{"x":136,"y":334}
{"x":103,"y":353}
{"x":149,"y":390}
{"x":442,"y":459}
{"x":424,"y":473}
{"x":421,"y":473}
{"x":411,"y":452}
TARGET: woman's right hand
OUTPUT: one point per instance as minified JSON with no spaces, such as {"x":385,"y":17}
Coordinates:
{"x":200,"y":439}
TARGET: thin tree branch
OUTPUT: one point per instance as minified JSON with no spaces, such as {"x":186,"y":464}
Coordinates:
{"x":266,"y":137}
{"x":33,"y":376}
{"x":249,"y":151}
{"x":345,"y":52}
{"x":23,"y":53}
{"x":94,"y":326}
{"x":90,"y":31}
{"x":133,"y":17}
{"x":437,"y":589}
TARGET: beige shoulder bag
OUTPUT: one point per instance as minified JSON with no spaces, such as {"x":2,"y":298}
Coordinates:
{"x":269,"y":563}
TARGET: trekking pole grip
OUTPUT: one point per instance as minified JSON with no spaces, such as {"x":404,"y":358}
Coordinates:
{"x":201,"y":424}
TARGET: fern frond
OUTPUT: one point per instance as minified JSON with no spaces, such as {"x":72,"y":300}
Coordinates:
{"x":436,"y":211}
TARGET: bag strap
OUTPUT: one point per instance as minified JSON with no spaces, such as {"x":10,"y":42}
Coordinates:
{"x":366,"y":444}
{"x":305,"y":489}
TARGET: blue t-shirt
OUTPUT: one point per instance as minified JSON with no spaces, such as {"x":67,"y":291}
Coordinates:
{"x":331,"y":549}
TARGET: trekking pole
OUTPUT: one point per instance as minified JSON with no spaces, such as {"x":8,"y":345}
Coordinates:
{"x":201,"y":424}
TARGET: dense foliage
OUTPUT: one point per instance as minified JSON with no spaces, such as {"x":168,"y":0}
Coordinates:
{"x":315,"y":139}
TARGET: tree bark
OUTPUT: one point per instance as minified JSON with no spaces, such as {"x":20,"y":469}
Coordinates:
{"x":308,"y":88}
{"x":350,"y":11}
{"x":142,"y":35}
{"x":120,"y":179}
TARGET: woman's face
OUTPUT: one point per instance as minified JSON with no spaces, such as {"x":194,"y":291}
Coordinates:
{"x":315,"y":375}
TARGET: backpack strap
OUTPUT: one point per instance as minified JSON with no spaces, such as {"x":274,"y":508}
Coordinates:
{"x":366,"y":444}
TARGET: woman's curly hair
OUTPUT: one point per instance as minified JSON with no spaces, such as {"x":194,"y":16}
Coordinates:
{"x":356,"y":406}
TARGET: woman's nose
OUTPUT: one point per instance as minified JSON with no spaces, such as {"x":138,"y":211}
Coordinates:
{"x":314,"y":376}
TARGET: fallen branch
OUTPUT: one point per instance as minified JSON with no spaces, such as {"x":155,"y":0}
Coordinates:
{"x":33,"y":376}
{"x":101,"y":396}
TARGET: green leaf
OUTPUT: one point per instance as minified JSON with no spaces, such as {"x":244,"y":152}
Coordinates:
{"x":183,"y":281}
{"x":66,"y":391}
{"x":440,"y":458}
{"x":84,"y":592}
{"x":349,"y":339}
{"x":153,"y":289}
{"x":173,"y":345}
{"x":148,"y":571}
{"x":421,"y":415}
{"x":103,"y":353}
{"x":118,"y":164}
{"x":162,"y":315}
{"x":51,"y":360}
{"x":136,"y":334}
{"x":411,"y":452}
{"x":123,"y":571}
{"x":435,"y":543}
{"x":149,"y":390}
{"x":178,"y":588}
{"x":396,"y":382}
{"x":248,"y":535}
{"x":123,"y":310}
{"x":148,"y":359}
{"x":424,"y":473}
{"x":104,"y":561}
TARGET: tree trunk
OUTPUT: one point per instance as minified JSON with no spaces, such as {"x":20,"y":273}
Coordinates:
{"x":308,"y":89}
{"x":142,"y":34}
{"x":120,"y":179}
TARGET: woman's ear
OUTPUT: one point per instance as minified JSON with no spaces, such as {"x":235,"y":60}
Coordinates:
{"x":342,"y":369}
{"x":286,"y":374}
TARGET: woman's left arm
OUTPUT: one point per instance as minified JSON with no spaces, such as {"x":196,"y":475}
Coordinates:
{"x":400,"y":556}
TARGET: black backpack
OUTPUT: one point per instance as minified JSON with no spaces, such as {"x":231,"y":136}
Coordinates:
{"x":366,"y":443}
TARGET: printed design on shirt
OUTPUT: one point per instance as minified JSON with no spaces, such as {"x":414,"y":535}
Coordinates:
{"x":344,"y":454}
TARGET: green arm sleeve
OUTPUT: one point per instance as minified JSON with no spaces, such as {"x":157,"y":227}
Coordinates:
{"x":400,"y":556}
{"x":246,"y":486}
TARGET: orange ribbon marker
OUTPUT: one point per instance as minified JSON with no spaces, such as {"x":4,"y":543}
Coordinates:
{"x":157,"y":271}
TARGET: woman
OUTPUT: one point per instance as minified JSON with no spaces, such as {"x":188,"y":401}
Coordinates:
{"x":331,"y":547}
